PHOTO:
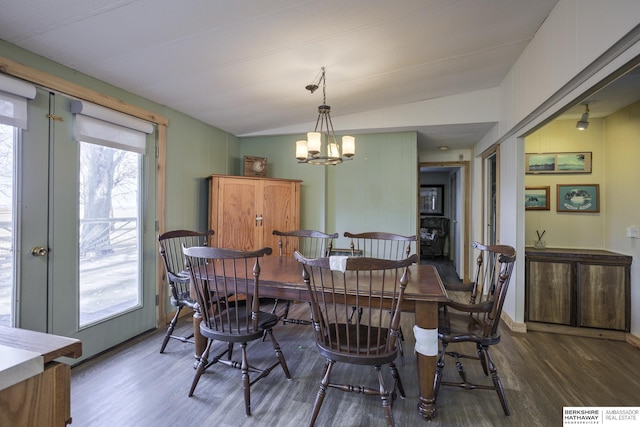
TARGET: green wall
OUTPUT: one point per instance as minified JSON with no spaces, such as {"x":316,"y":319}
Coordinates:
{"x":376,"y":191}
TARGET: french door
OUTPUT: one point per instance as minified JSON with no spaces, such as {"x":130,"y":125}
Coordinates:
{"x":85,"y":234}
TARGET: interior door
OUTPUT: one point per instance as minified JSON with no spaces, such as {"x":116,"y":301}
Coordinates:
{"x":61,"y":284}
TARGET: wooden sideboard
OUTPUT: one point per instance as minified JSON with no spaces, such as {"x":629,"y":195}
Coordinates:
{"x":244,"y":211}
{"x":43,"y":399}
{"x":579,"y":288}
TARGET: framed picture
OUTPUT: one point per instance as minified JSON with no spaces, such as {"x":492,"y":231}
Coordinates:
{"x":541,"y":163}
{"x":432,"y":199}
{"x":578,"y":198}
{"x":255,"y":166}
{"x":536,"y":198}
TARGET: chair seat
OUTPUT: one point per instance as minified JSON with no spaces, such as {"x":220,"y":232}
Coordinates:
{"x":235,"y":333}
{"x":460,"y":327}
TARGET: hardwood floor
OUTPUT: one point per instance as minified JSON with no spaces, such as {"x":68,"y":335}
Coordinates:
{"x":134,"y":385}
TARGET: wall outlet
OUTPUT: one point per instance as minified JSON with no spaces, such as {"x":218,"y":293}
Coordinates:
{"x":633,"y":231}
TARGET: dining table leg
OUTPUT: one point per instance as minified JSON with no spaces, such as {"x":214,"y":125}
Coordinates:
{"x":426,"y":335}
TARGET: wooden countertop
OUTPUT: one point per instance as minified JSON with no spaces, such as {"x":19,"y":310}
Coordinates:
{"x":49,"y":346}
{"x":568,"y":253}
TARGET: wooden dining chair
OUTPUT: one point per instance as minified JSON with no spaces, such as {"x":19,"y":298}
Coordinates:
{"x":217,"y":273}
{"x":378,"y":244}
{"x":310,"y":243}
{"x":337,"y":283}
{"x":171,"y":243}
{"x":477,"y":320}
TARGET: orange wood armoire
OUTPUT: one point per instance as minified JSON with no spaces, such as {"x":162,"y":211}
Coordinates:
{"x":243,"y":211}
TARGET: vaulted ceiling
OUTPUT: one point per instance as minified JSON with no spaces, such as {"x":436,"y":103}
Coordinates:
{"x":242,"y":65}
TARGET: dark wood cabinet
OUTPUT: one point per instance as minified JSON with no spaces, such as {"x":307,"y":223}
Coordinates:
{"x":578,"y":288}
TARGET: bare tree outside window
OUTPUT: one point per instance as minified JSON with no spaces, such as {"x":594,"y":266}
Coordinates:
{"x":7,"y":259}
{"x":109,"y":235}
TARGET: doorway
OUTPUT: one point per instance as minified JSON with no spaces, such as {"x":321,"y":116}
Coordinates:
{"x":67,"y":281}
{"x":455,"y":179}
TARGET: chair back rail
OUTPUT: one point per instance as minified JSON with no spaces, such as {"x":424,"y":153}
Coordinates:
{"x":311,"y":243}
{"x":377,"y":244}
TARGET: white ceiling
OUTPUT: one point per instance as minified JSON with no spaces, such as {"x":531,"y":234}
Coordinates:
{"x":242,"y":65}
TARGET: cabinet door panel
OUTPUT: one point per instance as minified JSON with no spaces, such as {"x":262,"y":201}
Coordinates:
{"x":602,"y":296}
{"x":550,"y":292}
{"x":237,"y":214}
{"x":278,"y":210}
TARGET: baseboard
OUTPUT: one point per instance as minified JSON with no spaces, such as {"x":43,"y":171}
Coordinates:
{"x":513,"y":326}
{"x":633,"y":340}
{"x":580,"y":332}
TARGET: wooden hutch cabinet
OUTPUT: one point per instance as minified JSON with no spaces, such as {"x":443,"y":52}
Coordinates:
{"x":578,"y":288}
{"x":243,"y":211}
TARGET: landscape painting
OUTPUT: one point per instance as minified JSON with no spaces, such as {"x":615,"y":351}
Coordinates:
{"x":579,"y":162}
{"x":536,"y":198}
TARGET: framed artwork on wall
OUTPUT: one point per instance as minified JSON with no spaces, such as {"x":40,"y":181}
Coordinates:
{"x":547,"y":163}
{"x":536,"y":198}
{"x":578,"y":198}
{"x":255,"y":166}
{"x":432,"y":199}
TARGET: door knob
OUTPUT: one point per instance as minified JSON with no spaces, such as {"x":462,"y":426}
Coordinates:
{"x":39,"y":251}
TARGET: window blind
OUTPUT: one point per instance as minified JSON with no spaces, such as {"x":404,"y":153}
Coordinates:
{"x":13,"y":101}
{"x":99,"y":125}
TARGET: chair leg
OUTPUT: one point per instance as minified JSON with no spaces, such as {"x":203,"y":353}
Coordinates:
{"x":322,"y":391}
{"x":439,"y":371}
{"x":279,"y":355}
{"x":497,"y":382}
{"x":287,"y":306}
{"x":386,"y":401}
{"x":170,"y":329}
{"x":483,"y":360}
{"x":246,"y":385}
{"x":397,"y":380}
{"x":202,"y":364}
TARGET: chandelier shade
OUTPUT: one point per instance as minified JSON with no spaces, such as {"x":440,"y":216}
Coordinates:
{"x":321,"y":146}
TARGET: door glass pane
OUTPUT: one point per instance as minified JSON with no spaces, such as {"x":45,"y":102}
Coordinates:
{"x":109,"y":202}
{"x":7,"y":259}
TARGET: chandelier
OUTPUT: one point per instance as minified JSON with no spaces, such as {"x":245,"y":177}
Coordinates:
{"x":321,"y":146}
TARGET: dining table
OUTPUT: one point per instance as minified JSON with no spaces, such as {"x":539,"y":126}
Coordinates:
{"x":281,"y":277}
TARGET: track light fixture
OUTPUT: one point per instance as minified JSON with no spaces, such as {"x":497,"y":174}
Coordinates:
{"x":583,"y":123}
